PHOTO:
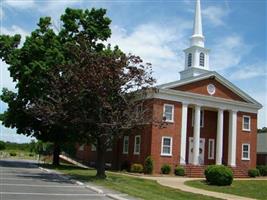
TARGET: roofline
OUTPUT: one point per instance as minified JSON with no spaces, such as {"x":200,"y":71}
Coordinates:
{"x":218,"y":77}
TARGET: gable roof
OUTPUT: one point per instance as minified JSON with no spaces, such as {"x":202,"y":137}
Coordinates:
{"x":217,"y":77}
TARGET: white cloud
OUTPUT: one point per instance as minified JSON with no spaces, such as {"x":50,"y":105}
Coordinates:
{"x":6,"y":80}
{"x":7,"y":134}
{"x":215,"y":15}
{"x":14,"y":29}
{"x":157,"y":44}
{"x":20,"y":4}
{"x":228,"y":52}
{"x":250,"y":71}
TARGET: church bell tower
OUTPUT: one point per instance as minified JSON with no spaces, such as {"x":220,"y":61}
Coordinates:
{"x":196,"y":56}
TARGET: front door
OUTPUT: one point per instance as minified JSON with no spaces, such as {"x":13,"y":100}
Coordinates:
{"x":201,"y":150}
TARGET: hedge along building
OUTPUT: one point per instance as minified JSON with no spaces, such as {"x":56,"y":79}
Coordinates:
{"x":210,"y":120}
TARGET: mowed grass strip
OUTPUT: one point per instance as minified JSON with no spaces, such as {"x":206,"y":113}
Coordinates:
{"x":137,"y":187}
{"x":256,"y":189}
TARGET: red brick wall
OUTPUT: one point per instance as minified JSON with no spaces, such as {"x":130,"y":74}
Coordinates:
{"x":172,"y":129}
{"x":246,"y":137}
{"x":200,"y":87}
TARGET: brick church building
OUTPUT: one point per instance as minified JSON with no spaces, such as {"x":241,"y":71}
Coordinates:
{"x":210,"y":121}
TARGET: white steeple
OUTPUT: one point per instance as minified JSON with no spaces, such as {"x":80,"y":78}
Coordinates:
{"x":197,"y":38}
{"x":196,"y":56}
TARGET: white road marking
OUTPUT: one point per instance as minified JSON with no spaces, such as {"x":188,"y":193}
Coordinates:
{"x":50,"y":194}
{"x":54,"y":186}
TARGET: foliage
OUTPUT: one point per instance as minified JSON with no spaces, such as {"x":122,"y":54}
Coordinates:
{"x":137,"y":168}
{"x":2,"y":145}
{"x":29,"y":63}
{"x":262,"y":130}
{"x":262,"y":169}
{"x":219,"y":175}
{"x":165,"y":169}
{"x":148,"y":165}
{"x":253,"y":172}
{"x":179,"y":171}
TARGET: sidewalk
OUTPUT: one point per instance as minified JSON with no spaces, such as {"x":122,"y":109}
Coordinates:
{"x":178,"y":183}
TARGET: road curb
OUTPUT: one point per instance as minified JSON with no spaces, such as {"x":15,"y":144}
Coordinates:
{"x":95,"y":189}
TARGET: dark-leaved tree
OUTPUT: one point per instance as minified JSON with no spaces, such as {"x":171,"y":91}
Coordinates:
{"x":99,"y":97}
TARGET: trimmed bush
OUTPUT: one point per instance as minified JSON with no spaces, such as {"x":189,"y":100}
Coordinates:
{"x":219,"y":175}
{"x":137,"y":168}
{"x":253,"y":172}
{"x":12,"y":153}
{"x":262,"y":169}
{"x":179,"y":171}
{"x":148,"y":166}
{"x":166,"y":169}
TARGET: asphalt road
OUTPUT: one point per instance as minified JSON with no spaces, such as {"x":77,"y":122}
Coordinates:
{"x":22,"y":180}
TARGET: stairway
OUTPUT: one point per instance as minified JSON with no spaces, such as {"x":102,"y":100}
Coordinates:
{"x":195,"y":171}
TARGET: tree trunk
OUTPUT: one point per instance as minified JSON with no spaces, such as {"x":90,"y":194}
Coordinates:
{"x":100,"y":165}
{"x":56,"y":152}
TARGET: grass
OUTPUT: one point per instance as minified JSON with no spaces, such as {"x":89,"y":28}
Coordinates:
{"x":137,"y":187}
{"x":248,"y":188}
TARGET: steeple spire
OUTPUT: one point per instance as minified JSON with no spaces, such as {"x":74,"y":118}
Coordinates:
{"x":197,"y":38}
{"x":196,"y":56}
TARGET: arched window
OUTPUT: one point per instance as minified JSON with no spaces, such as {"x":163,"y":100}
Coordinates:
{"x":189,"y":61}
{"x":202,"y":59}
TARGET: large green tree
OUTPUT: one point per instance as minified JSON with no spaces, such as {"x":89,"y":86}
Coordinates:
{"x":29,"y":63}
{"x":100,"y":96}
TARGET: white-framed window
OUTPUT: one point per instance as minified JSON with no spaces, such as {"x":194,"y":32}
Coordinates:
{"x":93,"y":147}
{"x":201,"y":118}
{"x":137,"y":144}
{"x":166,"y":146}
{"x":245,"y":151}
{"x":189,"y":61}
{"x":211,"y":149}
{"x":125,"y":149}
{"x":246,"y":123}
{"x":168,"y":112}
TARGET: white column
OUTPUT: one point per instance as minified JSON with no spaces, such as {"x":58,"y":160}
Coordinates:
{"x":232,"y":138}
{"x":219,"y":138}
{"x":196,"y":135}
{"x":183,"y":134}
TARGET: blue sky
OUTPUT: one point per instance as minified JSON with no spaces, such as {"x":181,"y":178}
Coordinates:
{"x":158,"y":31}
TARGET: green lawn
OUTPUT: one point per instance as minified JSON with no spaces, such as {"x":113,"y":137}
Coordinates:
{"x":249,"y":188}
{"x":144,"y":189}
{"x":17,"y":154}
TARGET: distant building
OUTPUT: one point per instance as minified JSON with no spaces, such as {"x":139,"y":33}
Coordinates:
{"x":210,"y":121}
{"x":262,"y":148}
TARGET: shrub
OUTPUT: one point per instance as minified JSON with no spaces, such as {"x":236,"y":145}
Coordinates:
{"x":179,"y":171}
{"x":262,"y":169}
{"x":253,"y":172}
{"x":137,"y":168}
{"x":165,"y":169}
{"x":2,"y":145}
{"x":148,"y":166}
{"x":219,"y":175}
{"x":12,"y":153}
{"x":31,"y":154}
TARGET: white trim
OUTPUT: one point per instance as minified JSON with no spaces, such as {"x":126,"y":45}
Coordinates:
{"x":204,"y":100}
{"x":212,"y":149}
{"x":171,"y":105}
{"x":183,"y":134}
{"x":243,"y":123}
{"x":243,"y":158}
{"x":135,"y":152}
{"x":162,"y":145}
{"x":219,"y":78}
{"x":126,"y":137}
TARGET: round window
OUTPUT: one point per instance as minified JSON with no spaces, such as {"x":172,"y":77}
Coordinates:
{"x":211,"y":89}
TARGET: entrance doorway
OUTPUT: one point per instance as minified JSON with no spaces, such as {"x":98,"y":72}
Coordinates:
{"x":201,"y":150}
